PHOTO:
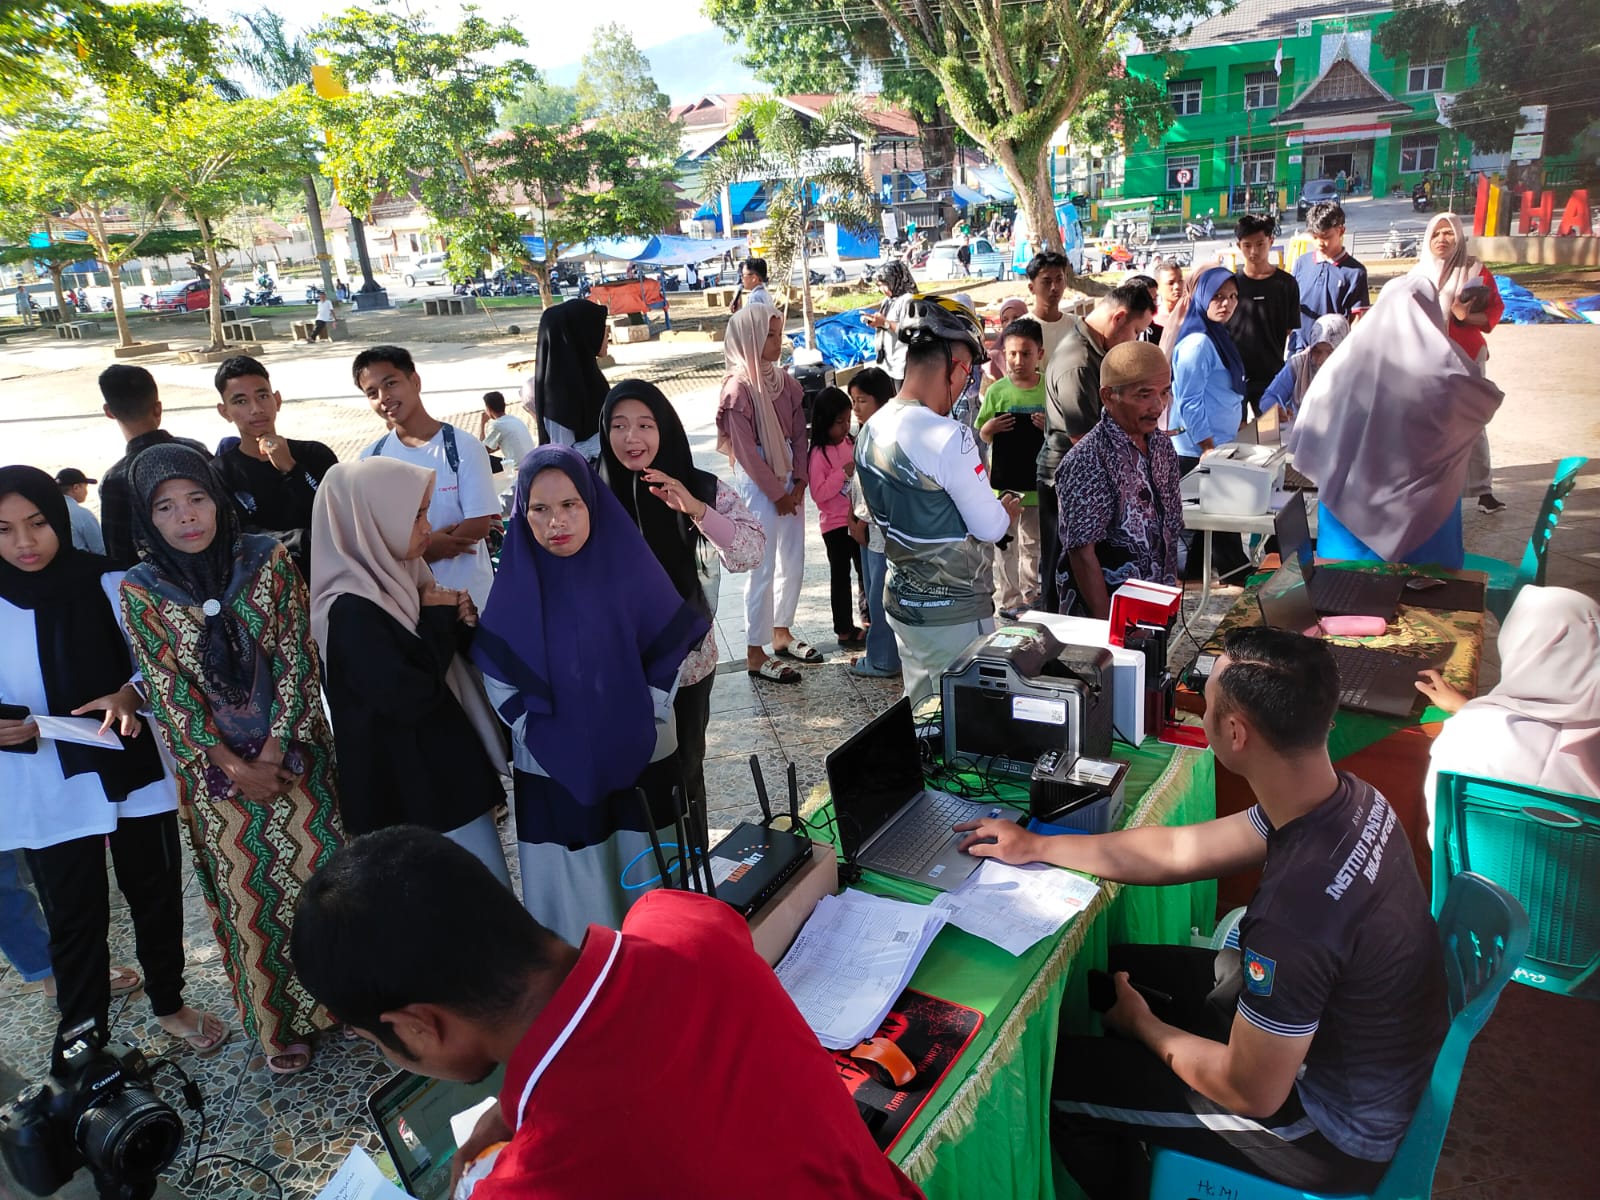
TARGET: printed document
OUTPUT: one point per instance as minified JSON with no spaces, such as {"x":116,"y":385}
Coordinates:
{"x":1014,"y":907}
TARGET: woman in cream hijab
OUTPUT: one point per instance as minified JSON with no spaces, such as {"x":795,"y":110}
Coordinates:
{"x":417,"y":743}
{"x":1540,"y":724}
{"x":761,"y":427}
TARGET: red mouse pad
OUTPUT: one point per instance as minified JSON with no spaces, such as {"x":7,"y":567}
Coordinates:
{"x":927,"y":1036}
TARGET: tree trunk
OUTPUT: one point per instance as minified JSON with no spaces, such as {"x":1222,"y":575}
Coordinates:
{"x":805,"y":271}
{"x":1027,"y":172}
{"x":62,"y":307}
{"x":102,"y":248}
{"x":319,"y":241}
{"x":214,"y":277}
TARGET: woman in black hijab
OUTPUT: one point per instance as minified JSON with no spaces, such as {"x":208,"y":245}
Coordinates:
{"x":695,"y":525}
{"x":62,"y":653}
{"x":568,"y":388}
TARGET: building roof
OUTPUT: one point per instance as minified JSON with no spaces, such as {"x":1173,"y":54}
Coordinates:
{"x":1269,"y":20}
{"x":1342,"y":90}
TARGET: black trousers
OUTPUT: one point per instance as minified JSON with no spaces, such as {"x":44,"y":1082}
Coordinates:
{"x":844,"y":555}
{"x":1110,"y":1094}
{"x":318,"y":330}
{"x":76,"y":899}
{"x":692,"y":710}
{"x":1049,"y":547}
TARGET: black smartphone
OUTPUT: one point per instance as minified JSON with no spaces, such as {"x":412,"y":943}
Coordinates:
{"x":18,"y":712}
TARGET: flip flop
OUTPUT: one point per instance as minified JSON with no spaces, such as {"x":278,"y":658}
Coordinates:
{"x":856,"y":639}
{"x":203,"y":1044}
{"x":774,"y":672}
{"x":298,"y":1050}
{"x":800,"y":652}
{"x":124,"y":980}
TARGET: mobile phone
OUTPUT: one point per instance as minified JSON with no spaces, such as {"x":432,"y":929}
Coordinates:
{"x":18,"y":712}
{"x":1015,"y":495}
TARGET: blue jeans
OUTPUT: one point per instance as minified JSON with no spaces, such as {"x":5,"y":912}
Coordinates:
{"x":23,"y":936}
{"x":882,"y":652}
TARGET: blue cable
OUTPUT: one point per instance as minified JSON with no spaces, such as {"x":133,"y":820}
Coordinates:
{"x":635,"y":887}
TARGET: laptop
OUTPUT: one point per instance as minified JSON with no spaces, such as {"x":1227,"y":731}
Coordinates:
{"x":1370,"y":680}
{"x":1334,"y":592}
{"x":889,"y":820}
{"x":412,"y":1113}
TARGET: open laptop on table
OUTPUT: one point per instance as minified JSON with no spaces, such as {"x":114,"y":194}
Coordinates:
{"x":1370,"y":680}
{"x":412,"y":1113}
{"x":889,"y":820}
{"x":1334,"y":592}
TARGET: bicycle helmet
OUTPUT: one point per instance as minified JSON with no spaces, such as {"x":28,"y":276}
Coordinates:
{"x":942,"y":319}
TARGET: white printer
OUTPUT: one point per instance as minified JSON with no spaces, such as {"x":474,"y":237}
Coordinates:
{"x":1238,"y":478}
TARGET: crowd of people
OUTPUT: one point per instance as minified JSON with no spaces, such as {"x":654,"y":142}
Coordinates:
{"x":328,"y":676}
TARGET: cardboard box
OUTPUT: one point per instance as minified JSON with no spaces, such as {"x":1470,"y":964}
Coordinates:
{"x":775,"y":927}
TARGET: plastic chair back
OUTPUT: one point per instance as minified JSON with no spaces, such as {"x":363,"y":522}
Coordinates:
{"x":1541,"y":846}
{"x":1485,"y":934}
{"x":1555,"y":499}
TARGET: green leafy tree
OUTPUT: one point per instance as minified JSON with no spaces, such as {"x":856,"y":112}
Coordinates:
{"x":579,"y":185}
{"x":541,"y":104}
{"x":1529,"y":52}
{"x":805,"y":183}
{"x":212,"y":153}
{"x":615,"y":87}
{"x":422,"y":121}
{"x":59,"y":253}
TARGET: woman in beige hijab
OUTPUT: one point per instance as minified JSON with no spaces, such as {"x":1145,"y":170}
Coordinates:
{"x":416,"y":740}
{"x":761,"y":427}
{"x":1540,"y":724}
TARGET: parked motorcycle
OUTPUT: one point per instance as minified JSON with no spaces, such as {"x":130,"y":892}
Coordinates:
{"x":105,"y":304}
{"x":838,"y":274}
{"x":1420,"y":200}
{"x":1202,"y":230}
{"x":1399,"y":245}
{"x":265,"y":295}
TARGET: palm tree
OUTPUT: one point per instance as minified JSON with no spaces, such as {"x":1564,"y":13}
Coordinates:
{"x":790,"y":153}
{"x":278,"y":61}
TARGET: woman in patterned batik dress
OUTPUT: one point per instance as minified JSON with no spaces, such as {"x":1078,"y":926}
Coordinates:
{"x":220,"y":627}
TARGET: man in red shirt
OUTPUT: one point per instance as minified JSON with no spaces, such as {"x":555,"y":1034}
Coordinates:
{"x":664,"y":1061}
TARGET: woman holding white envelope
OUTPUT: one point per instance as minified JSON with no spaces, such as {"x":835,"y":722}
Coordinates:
{"x":62,"y":653}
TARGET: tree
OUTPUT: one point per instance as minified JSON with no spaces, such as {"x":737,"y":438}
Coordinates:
{"x":615,"y":88}
{"x":421,"y":126}
{"x":805,"y":182}
{"x":211,"y":152}
{"x":54,"y":256}
{"x":280,"y":60}
{"x":1529,"y":52}
{"x":580,"y":184}
{"x":541,"y":104}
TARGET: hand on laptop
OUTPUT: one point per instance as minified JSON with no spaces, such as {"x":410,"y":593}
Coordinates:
{"x":1439,"y":693}
{"x":997,"y":837}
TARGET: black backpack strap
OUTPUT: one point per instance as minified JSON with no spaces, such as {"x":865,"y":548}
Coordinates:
{"x":451,"y":454}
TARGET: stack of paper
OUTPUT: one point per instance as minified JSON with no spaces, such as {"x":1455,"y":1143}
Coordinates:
{"x":852,"y":960}
{"x":1014,"y":907}
{"x":358,"y":1178}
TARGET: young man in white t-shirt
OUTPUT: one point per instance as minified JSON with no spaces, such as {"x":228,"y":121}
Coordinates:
{"x":503,"y":434}
{"x":464,"y":500}
{"x":1047,"y":283}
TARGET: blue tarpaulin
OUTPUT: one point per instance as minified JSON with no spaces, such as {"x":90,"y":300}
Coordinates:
{"x":992,"y":183}
{"x":1523,"y":307}
{"x":844,"y":339}
{"x":661,"y":250}
{"x":965,"y":197}
{"x":739,"y":197}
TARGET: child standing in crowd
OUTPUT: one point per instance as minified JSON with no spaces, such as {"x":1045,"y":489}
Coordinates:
{"x":1331,"y":280}
{"x":1013,"y":408}
{"x":870,"y":389}
{"x":221,"y":630}
{"x":832,"y":466}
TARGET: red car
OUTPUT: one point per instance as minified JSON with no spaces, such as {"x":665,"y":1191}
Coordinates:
{"x":193,"y":296}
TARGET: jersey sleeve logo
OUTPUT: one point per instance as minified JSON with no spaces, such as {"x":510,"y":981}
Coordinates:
{"x":1258,"y":973}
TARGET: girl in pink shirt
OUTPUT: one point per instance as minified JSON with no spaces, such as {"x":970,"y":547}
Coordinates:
{"x":831,"y":465}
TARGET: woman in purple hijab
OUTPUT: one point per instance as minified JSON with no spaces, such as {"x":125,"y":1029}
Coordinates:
{"x":580,"y":645}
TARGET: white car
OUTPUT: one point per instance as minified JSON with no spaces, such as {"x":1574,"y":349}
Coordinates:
{"x":427,"y":269}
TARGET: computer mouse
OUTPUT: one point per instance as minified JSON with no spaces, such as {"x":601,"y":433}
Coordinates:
{"x":885,"y":1062}
{"x":1423,"y":583}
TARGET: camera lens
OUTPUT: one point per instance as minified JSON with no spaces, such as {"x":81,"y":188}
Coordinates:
{"x":131,"y":1135}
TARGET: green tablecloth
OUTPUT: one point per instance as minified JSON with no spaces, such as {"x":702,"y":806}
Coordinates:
{"x":985,"y":1132}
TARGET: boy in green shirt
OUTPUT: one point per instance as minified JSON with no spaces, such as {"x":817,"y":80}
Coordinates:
{"x":1011,"y":421}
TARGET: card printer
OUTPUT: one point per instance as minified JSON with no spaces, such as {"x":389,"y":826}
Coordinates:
{"x":1238,"y":478}
{"x":1018,"y":692}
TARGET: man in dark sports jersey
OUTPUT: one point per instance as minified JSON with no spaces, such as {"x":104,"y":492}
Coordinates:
{"x":1302,"y":1055}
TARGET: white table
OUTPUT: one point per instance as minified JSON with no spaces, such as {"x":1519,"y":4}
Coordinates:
{"x":1208,"y":523}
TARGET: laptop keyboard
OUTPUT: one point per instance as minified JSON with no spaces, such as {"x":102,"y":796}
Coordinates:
{"x":1293,"y":481}
{"x":1358,"y":669}
{"x":1338,"y":591}
{"x":909,"y":846}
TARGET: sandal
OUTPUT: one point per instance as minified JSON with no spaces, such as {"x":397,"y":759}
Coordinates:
{"x":800,"y":652}
{"x":124,"y":980}
{"x":856,"y":639}
{"x":291,"y":1060}
{"x":208,"y":1035}
{"x":774,"y":672}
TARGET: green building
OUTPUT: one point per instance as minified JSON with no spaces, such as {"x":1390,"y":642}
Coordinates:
{"x":1271,"y":94}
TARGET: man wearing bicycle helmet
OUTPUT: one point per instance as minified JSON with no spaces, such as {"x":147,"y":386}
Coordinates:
{"x":928,"y":491}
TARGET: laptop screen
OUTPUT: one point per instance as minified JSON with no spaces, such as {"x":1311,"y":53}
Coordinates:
{"x":413,"y":1115}
{"x":1294,"y":533}
{"x":873,"y":774}
{"x":1286,"y":601}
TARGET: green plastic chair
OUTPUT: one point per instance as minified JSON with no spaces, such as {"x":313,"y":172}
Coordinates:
{"x":1544,"y":848}
{"x":1505,"y":580}
{"x":1485,"y":933}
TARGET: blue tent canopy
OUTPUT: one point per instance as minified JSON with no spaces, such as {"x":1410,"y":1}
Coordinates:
{"x":965,"y":197}
{"x":739,"y":197}
{"x":661,"y":250}
{"x":992,"y":183}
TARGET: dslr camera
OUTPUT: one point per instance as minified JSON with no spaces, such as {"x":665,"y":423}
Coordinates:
{"x":97,"y":1109}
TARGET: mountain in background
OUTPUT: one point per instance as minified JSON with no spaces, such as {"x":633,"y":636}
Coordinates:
{"x":685,"y":68}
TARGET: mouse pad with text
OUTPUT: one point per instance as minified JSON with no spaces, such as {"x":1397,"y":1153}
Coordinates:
{"x":933,"y":1034}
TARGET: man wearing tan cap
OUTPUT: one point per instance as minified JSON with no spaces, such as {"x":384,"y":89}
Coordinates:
{"x":1120,"y":511}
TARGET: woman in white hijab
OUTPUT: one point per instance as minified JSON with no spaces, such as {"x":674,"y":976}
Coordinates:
{"x":1473,"y":306}
{"x":1385,"y":430}
{"x":1288,"y":389}
{"x":1540,"y":724}
{"x":761,"y":427}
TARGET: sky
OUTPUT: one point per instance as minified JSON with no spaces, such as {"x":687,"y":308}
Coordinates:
{"x":558,"y":32}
